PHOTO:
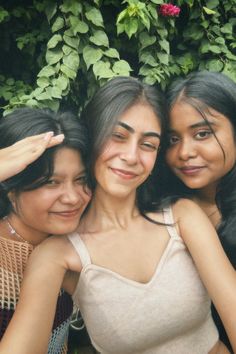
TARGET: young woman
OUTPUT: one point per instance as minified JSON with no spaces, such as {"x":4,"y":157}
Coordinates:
{"x":133,"y":260}
{"x":202,"y":152}
{"x":41,"y":195}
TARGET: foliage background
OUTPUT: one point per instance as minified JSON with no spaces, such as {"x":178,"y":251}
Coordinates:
{"x":56,"y":53}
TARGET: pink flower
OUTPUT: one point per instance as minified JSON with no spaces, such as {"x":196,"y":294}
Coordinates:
{"x":169,"y":10}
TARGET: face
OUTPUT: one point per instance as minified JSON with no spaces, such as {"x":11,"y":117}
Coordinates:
{"x":194,"y":154}
{"x":56,"y":207}
{"x":130,"y":153}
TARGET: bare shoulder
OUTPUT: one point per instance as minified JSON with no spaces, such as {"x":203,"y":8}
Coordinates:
{"x":187,"y":209}
{"x":61,"y":250}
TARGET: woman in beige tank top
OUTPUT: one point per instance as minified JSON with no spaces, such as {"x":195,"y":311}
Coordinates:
{"x":128,"y":247}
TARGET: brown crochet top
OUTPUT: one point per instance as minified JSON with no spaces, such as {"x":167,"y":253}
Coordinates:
{"x":13,"y":258}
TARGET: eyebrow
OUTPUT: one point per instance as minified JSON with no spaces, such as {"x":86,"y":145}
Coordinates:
{"x":200,"y":124}
{"x":131,"y":130}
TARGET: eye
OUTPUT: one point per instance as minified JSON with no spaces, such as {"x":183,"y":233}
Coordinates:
{"x":81,"y":180}
{"x":173,"y":139}
{"x":148,"y":146}
{"x":203,"y":134}
{"x":52,"y":182}
{"x":118,"y":136}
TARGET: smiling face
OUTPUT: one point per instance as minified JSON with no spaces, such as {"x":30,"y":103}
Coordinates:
{"x":194,"y":154}
{"x":130,"y":153}
{"x":56,"y":207}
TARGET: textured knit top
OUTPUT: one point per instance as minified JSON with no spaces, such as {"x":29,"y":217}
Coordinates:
{"x":13,"y":258}
{"x":169,"y":314}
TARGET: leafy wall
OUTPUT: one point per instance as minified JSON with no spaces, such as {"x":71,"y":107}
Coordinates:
{"x":56,"y":53}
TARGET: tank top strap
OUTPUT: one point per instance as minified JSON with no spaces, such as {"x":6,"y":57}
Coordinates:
{"x":80,"y":248}
{"x":169,"y":220}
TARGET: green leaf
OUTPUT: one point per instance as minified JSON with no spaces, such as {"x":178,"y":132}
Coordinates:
{"x":112,"y":53}
{"x":215,"y":49}
{"x":146,"y":40}
{"x":227,"y":29}
{"x":215,"y":65}
{"x":163,"y":58}
{"x":131,"y":26}
{"x":147,"y":58}
{"x":78,"y":26}
{"x":100,"y":38}
{"x":122,"y":67}
{"x":91,"y":55}
{"x":208,"y":11}
{"x":53,"y":56}
{"x":43,"y":82}
{"x":58,"y":24}
{"x":71,"y":74}
{"x":102,"y":69}
{"x":66,"y":49}
{"x":71,"y":6}
{"x":54,"y":91}
{"x":50,"y":10}
{"x":54,"y":41}
{"x":71,"y":41}
{"x":62,"y":82}
{"x":165,"y":45}
{"x":94,"y":16}
{"x":47,"y":71}
{"x":72,"y":61}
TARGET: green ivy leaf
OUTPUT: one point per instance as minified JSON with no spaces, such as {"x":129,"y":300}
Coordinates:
{"x":54,"y":41}
{"x":102,"y":69}
{"x":50,"y":10}
{"x":58,"y":24}
{"x":71,"y":74}
{"x":66,"y":49}
{"x":122,"y":67}
{"x":78,"y":26}
{"x":71,"y":41}
{"x":215,"y":49}
{"x":54,"y":91}
{"x":46,"y":71}
{"x":215,"y":65}
{"x":131,"y":26}
{"x":62,"y":82}
{"x":91,"y":55}
{"x":208,"y":11}
{"x":94,"y":16}
{"x":163,"y":58}
{"x":43,"y":82}
{"x":227,"y":29}
{"x":71,"y":6}
{"x":72,"y":61}
{"x":165,"y":45}
{"x":146,"y":40}
{"x":147,"y":58}
{"x":53,"y":56}
{"x":100,"y":38}
{"x":112,"y":53}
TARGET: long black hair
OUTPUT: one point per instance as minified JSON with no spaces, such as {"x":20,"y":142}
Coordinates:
{"x":25,"y":122}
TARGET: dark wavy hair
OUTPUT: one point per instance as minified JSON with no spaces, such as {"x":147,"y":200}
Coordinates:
{"x":101,"y":115}
{"x":25,"y":122}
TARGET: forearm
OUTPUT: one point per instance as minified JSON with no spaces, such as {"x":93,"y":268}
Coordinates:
{"x":30,"y":327}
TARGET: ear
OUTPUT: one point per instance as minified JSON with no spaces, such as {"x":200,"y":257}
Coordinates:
{"x":12,"y":198}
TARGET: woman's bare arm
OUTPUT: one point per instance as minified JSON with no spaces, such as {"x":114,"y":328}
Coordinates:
{"x":215,"y":269}
{"x":30,"y":328}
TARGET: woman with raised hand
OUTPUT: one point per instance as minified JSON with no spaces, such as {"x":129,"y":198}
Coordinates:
{"x":138,"y":260}
{"x":201,"y":152}
{"x":42,"y":157}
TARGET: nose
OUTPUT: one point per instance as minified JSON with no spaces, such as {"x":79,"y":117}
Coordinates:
{"x":186,"y":150}
{"x":70,"y":194}
{"x":129,"y":152}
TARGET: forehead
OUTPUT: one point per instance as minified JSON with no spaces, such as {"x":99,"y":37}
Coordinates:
{"x":142,"y":117}
{"x":67,"y":156}
{"x":184,"y":114}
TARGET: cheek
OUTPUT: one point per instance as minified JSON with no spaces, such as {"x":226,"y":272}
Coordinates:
{"x":149,"y":162}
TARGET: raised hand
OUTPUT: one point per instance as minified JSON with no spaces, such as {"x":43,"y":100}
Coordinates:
{"x":18,"y":156}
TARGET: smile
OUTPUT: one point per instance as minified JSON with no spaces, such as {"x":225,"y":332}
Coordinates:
{"x":67,"y":214}
{"x":191,"y":170}
{"x":123,"y":173}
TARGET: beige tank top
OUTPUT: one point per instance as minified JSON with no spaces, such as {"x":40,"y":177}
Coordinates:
{"x":169,"y":314}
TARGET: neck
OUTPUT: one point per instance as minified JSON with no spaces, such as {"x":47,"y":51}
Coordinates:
{"x":107,"y":212}
{"x":26,"y":232}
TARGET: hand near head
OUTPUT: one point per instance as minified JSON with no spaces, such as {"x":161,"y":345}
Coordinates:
{"x":18,"y":156}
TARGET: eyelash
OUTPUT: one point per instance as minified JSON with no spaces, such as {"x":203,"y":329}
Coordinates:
{"x":206,"y":132}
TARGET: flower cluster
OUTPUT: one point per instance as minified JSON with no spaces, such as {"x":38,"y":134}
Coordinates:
{"x":169,"y":10}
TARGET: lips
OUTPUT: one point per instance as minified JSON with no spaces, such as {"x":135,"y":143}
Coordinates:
{"x":124,"y":173}
{"x":191,"y":170}
{"x":67,"y":213}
